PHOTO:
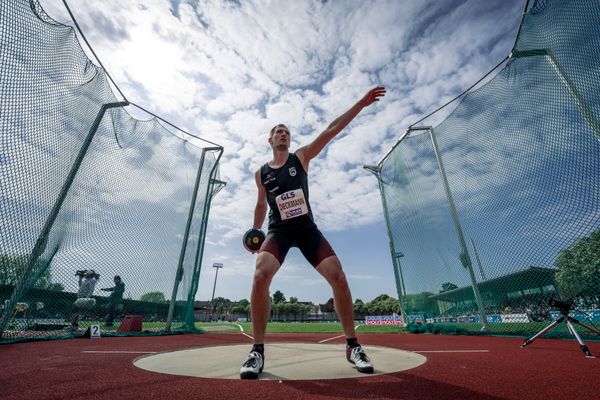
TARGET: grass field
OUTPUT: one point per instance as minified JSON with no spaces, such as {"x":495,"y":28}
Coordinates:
{"x":523,"y":330}
{"x":302,"y":327}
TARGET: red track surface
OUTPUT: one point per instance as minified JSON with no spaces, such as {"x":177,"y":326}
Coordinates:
{"x":546,"y":369}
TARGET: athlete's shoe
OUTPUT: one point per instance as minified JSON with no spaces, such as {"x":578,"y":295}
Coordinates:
{"x":252,"y":366}
{"x":358,"y":357}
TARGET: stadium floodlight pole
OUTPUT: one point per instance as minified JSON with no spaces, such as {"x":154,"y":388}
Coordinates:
{"x":376,"y":170}
{"x":217,"y":266}
{"x":184,"y":245}
{"x":42,"y":240}
{"x":464,"y":256}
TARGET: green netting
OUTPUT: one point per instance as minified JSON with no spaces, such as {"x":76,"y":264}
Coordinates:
{"x":84,"y":186}
{"x":519,"y":222}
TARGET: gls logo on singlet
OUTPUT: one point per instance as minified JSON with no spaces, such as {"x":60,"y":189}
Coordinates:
{"x":292,"y":171}
{"x":288,"y":196}
{"x":291,"y":204}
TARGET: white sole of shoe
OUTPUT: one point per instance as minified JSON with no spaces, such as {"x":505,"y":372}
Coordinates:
{"x":250,"y":374}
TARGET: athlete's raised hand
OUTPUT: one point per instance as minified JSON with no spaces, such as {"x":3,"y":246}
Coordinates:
{"x":310,"y":151}
{"x":372,"y":96}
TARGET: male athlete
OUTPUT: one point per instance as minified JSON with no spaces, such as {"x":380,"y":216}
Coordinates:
{"x":283,"y":187}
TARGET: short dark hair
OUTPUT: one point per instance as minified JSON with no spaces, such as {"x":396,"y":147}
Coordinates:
{"x":117,"y":277}
{"x":275,"y":127}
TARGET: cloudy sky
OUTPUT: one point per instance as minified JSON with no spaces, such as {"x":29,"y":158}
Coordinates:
{"x":229,"y":71}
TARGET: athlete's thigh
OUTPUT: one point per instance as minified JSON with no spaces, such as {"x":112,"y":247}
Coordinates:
{"x":266,"y":265}
{"x":331,"y":269}
{"x":314,"y":246}
{"x":277,"y":245}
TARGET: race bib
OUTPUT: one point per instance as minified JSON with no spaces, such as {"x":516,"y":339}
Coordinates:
{"x":291,"y":204}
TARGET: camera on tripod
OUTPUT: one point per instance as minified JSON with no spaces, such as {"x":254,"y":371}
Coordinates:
{"x":563,"y":306}
{"x":83,"y":272}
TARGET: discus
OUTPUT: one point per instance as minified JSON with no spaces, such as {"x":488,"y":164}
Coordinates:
{"x":253,"y":239}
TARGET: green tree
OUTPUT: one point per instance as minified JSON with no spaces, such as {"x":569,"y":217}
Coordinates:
{"x":294,"y":308}
{"x":421,"y":303}
{"x":244,"y":302}
{"x":153,"y":297}
{"x":276,"y":308}
{"x":329,"y":306}
{"x":241,"y":307}
{"x":578,"y":268}
{"x":293,"y":299}
{"x":448,"y":286}
{"x":391,"y":306}
{"x":382,"y":305}
{"x":278,"y":297}
{"x":381,"y":297}
{"x":13,"y":267}
{"x":359,"y":306}
{"x":221,"y":305}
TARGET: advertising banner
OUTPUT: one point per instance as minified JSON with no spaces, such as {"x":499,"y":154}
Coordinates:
{"x":383,"y":320}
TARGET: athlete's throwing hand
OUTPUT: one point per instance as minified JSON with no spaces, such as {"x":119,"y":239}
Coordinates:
{"x":372,"y":96}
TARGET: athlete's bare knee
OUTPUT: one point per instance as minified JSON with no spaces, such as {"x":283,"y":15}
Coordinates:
{"x":339,"y":281}
{"x":262,"y":280}
{"x":266,"y":267}
{"x":331,"y":269}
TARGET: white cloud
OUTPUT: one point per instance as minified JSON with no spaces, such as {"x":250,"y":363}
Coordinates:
{"x":229,"y":72}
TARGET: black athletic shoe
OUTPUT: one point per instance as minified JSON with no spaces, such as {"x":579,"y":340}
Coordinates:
{"x":252,"y":366}
{"x":358,"y":357}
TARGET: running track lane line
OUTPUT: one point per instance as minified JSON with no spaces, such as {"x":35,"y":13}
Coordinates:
{"x":322,"y":341}
{"x":450,"y":351}
{"x":244,"y":333}
{"x":338,"y":336}
{"x":415,"y":351}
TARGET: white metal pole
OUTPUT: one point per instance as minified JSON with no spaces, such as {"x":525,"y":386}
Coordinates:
{"x":217,"y":266}
{"x":465,"y":259}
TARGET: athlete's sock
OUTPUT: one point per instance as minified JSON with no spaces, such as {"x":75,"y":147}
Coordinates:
{"x":259,"y":348}
{"x":352,"y":342}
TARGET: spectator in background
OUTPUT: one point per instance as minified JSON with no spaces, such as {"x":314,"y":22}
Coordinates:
{"x":115,"y":298}
{"x":87,"y":284}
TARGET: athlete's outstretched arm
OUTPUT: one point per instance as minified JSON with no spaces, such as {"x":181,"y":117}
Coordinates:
{"x":260,"y":211}
{"x":310,"y":151}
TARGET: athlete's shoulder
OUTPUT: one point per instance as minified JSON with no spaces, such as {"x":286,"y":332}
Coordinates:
{"x":297,"y":161}
{"x":258,"y":177}
{"x":264,"y":169}
{"x":294,"y":158}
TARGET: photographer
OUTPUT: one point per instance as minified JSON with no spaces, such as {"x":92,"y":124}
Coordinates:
{"x":87,"y":284}
{"x":115,"y":298}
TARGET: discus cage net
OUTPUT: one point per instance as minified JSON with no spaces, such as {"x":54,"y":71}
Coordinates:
{"x":495,"y":211}
{"x":85,"y":186}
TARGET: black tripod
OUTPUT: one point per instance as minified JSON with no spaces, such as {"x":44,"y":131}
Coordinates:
{"x":565,"y":308}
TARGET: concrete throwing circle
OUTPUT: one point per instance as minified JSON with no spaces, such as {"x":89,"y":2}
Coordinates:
{"x":283,"y":361}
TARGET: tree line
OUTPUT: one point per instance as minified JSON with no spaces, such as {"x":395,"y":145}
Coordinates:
{"x":380,"y":305}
